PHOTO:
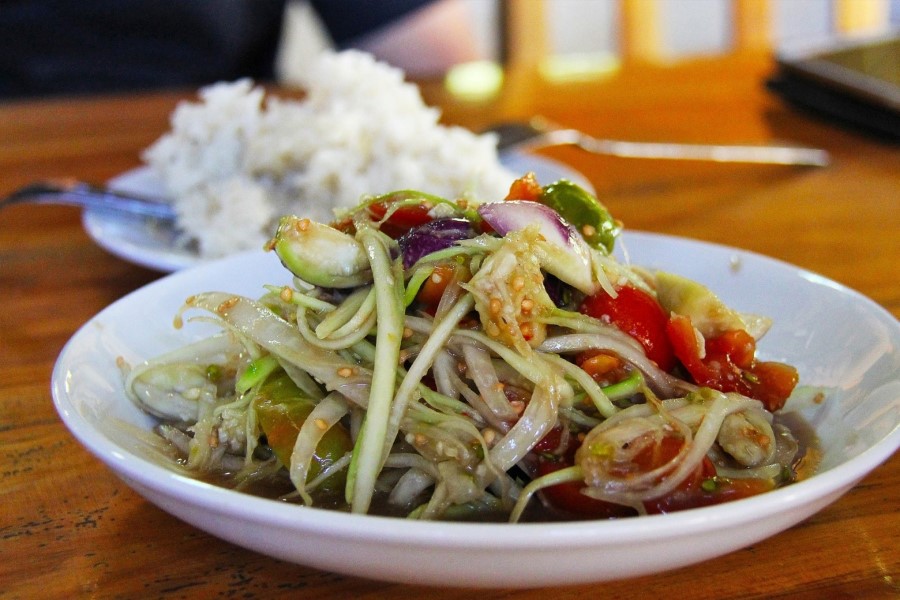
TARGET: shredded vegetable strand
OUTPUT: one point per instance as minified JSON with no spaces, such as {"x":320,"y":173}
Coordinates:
{"x":302,"y":380}
{"x":444,"y":372}
{"x":482,"y":372}
{"x":340,"y":340}
{"x":539,"y":417}
{"x":376,"y":432}
{"x":283,"y":340}
{"x":348,"y":315}
{"x":661,"y":381}
{"x":449,"y":405}
{"x":477,"y":402}
{"x":590,"y":387}
{"x":322,"y":418}
{"x":573,"y":473}
{"x":420,"y":366}
{"x":412,"y":484}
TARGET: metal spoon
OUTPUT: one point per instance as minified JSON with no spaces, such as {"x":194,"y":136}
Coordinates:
{"x":78,"y":193}
{"x":540,"y":132}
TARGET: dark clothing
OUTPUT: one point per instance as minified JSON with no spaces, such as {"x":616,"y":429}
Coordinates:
{"x":52,"y":47}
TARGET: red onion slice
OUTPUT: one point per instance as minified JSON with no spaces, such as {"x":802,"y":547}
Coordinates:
{"x":569,"y":255}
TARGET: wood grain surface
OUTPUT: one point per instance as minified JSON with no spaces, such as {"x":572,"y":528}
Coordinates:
{"x":69,"y":528}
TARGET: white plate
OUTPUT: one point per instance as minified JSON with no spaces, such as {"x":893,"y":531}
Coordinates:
{"x":836,"y":338}
{"x":138,"y":241}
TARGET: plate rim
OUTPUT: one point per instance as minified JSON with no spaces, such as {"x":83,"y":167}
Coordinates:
{"x":169,"y":260}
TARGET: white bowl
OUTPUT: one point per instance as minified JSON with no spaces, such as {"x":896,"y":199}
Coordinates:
{"x":839,"y":340}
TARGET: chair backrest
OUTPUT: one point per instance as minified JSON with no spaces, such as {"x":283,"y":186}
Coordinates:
{"x":524,"y":33}
{"x":640,"y":26}
{"x":857,"y":16}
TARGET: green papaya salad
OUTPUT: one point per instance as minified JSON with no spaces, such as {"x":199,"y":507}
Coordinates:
{"x":445,"y":359}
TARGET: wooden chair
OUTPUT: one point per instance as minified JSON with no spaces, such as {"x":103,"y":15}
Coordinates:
{"x":859,"y":16}
{"x":526,"y":34}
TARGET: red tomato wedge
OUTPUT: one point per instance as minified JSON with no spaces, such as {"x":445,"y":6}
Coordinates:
{"x":525,"y":188}
{"x":729,"y":364}
{"x":638,"y":314}
{"x":402,"y":219}
{"x":569,"y":498}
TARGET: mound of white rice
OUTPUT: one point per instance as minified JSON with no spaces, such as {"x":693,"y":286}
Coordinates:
{"x":236,"y":161}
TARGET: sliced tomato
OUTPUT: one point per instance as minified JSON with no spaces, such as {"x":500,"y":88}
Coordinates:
{"x":281,"y":409}
{"x":603,"y":367}
{"x":402,"y":219}
{"x":719,"y":491}
{"x":700,"y":488}
{"x":688,"y":490}
{"x":638,"y":314}
{"x":728,"y":364}
{"x":772,"y":383}
{"x":568,"y":498}
{"x":432,"y":290}
{"x":661,"y":453}
{"x":525,"y":188}
{"x":737,"y":346}
{"x":687,"y":348}
{"x":550,"y":442}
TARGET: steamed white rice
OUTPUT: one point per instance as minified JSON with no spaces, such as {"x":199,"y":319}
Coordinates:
{"x":236,"y":161}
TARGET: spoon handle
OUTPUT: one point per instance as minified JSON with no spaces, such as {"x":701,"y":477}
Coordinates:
{"x":78,"y":193}
{"x":540,"y":132}
{"x":774,"y":155}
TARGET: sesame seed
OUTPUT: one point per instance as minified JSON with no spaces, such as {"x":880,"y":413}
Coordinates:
{"x":527,"y":330}
{"x":223,"y":308}
{"x":287,"y":294}
{"x":345,"y":372}
{"x":321,"y":424}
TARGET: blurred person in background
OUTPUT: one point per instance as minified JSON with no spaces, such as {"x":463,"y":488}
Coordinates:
{"x":53,"y":47}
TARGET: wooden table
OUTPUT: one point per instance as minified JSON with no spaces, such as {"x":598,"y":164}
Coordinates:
{"x":70,"y":528}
